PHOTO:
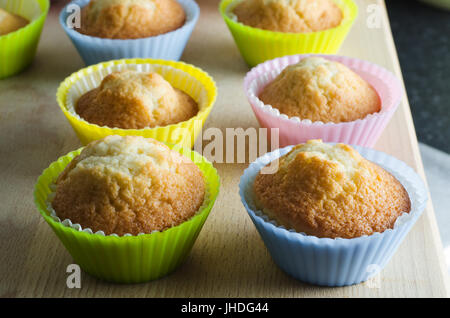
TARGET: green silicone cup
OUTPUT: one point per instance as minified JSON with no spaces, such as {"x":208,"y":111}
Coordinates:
{"x":17,"y":49}
{"x":257,"y":45}
{"x":129,"y":259}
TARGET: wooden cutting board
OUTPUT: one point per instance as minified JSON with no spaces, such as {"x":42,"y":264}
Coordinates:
{"x":229,"y":258}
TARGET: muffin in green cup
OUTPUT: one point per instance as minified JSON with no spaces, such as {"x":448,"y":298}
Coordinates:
{"x":152,"y":248}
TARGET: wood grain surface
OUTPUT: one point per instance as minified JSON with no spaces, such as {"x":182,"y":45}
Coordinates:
{"x":229,"y":258}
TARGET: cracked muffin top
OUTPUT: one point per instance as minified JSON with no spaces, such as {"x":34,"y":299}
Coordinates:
{"x":135,"y":100}
{"x":128,"y":185}
{"x":321,"y":90}
{"x":330,"y":191}
{"x":131,"y":19}
{"x":295,"y":16}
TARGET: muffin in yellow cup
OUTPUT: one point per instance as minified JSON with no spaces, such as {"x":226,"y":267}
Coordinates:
{"x":187,"y":78}
{"x":257,"y":45}
{"x":152,"y":241}
{"x":17,"y":48}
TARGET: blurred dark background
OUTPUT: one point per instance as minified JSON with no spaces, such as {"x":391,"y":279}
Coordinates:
{"x":422,"y":37}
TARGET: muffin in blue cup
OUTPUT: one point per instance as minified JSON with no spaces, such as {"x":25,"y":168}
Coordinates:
{"x":94,"y":49}
{"x":335,"y":242}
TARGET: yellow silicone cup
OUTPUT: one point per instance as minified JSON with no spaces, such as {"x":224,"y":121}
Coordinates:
{"x":17,"y":49}
{"x":257,"y":45}
{"x":129,"y":259}
{"x":183,"y":134}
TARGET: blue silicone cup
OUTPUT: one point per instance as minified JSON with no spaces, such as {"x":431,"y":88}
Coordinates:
{"x":167,"y":46}
{"x":335,"y":262}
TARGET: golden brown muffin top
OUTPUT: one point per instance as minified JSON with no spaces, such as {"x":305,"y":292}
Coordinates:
{"x":321,"y":90}
{"x":131,"y":19}
{"x":330,"y":191}
{"x":135,"y":100}
{"x":10,"y":22}
{"x":129,"y":185}
{"x":295,"y":16}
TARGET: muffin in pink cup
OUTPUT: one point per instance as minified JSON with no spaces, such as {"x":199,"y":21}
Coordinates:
{"x":336,"y":112}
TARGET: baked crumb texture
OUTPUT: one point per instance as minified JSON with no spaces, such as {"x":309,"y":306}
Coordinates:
{"x":10,"y":22}
{"x":129,"y":185}
{"x":295,"y":16}
{"x":131,"y":19}
{"x":135,"y":100}
{"x":321,"y":90}
{"x":330,"y":191}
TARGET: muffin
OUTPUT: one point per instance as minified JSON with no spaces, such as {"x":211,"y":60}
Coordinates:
{"x":10,"y":22}
{"x":321,"y":90}
{"x":265,"y":29}
{"x":294,"y":16}
{"x":21,"y":24}
{"x":129,"y":185}
{"x":124,"y":29}
{"x":139,"y":184}
{"x":322,"y":197}
{"x":135,"y":100}
{"x":187,"y":78}
{"x":131,"y":19}
{"x":330,"y":191}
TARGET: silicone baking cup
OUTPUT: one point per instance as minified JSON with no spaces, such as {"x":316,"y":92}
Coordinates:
{"x":168,"y":46}
{"x":127,"y":259}
{"x":257,"y":45}
{"x":17,"y":49}
{"x":293,"y":130}
{"x":334,"y":262}
{"x":444,"y":4}
{"x":190,"y":79}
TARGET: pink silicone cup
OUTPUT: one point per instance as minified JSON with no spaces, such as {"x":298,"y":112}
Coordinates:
{"x":293,"y":130}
